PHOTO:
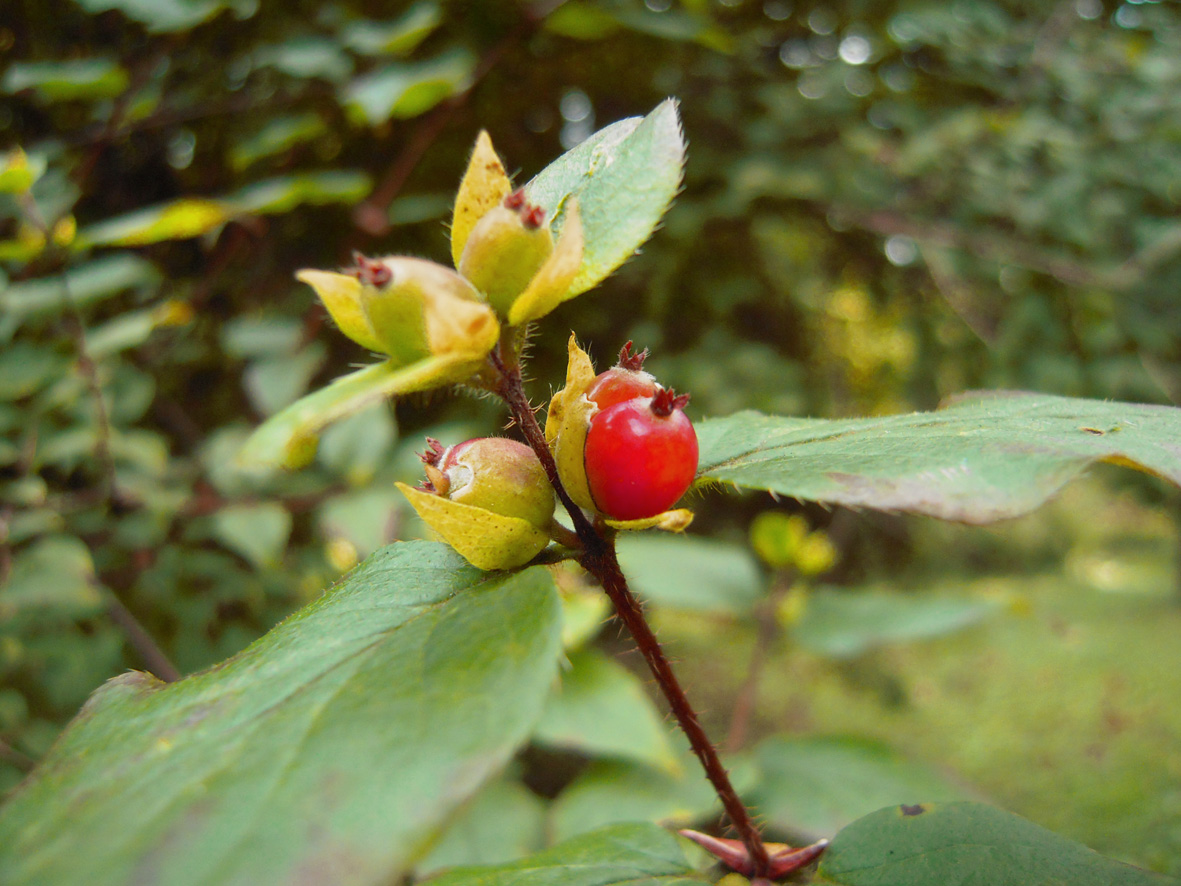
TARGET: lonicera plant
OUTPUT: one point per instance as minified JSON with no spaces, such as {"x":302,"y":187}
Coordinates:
{"x":337,"y":748}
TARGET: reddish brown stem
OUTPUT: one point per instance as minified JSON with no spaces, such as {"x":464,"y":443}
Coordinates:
{"x":598,"y":558}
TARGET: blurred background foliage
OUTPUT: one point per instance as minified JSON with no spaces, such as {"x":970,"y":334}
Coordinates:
{"x":885,"y":203}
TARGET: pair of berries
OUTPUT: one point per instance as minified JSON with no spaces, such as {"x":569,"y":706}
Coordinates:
{"x":491,"y":500}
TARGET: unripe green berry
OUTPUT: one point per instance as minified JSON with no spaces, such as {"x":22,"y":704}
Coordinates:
{"x":498,"y":475}
{"x":505,"y":250}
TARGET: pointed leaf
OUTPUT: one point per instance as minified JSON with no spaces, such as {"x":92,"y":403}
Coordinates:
{"x":984,"y":457}
{"x":624,"y":176}
{"x":631,"y":854}
{"x":330,"y":751}
{"x":957,"y":844}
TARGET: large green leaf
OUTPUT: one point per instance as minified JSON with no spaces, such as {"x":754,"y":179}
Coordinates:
{"x":632,"y":854}
{"x":624,"y":177}
{"x":963,"y":844}
{"x":601,"y":708}
{"x":815,"y":786}
{"x":330,"y":751}
{"x":984,"y":457}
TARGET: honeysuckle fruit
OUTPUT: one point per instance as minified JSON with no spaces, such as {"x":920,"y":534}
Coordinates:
{"x":505,"y":246}
{"x":407,"y":308}
{"x":568,"y":421}
{"x":488,"y":498}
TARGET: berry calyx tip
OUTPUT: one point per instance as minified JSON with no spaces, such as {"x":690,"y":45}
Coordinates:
{"x":370,"y":270}
{"x":631,"y":361}
{"x":666,"y":400}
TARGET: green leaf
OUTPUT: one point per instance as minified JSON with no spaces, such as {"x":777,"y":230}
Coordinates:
{"x":54,"y":574}
{"x":405,"y":89}
{"x":160,"y":16}
{"x":177,"y":220}
{"x":85,"y":284}
{"x":601,"y":708}
{"x":365,"y":518}
{"x":624,"y":177}
{"x":502,"y":823}
{"x":357,"y":446}
{"x":276,"y":136}
{"x":631,"y":854}
{"x":688,"y":572}
{"x":26,"y":368}
{"x":282,"y":194}
{"x":84,"y":78}
{"x":844,"y":624}
{"x":985,"y":457}
{"x":275,"y":382}
{"x":258,"y":532}
{"x":289,"y":438}
{"x":266,"y":335}
{"x":306,"y":57}
{"x":957,"y":844}
{"x":611,"y":791}
{"x":398,"y":37}
{"x":816,"y":786}
{"x":334,"y":748}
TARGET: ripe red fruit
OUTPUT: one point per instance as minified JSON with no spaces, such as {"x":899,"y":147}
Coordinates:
{"x":625,"y":381}
{"x":640,"y":455}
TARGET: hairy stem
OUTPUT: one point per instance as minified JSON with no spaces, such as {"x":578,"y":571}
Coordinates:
{"x":599,"y":559}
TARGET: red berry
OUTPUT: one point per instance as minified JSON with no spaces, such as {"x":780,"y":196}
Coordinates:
{"x":640,"y":456}
{"x":625,"y":381}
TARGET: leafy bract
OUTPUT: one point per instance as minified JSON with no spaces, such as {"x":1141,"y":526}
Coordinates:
{"x":624,"y":177}
{"x":957,"y":844}
{"x":331,"y":751}
{"x":984,"y":457}
{"x":632,"y":854}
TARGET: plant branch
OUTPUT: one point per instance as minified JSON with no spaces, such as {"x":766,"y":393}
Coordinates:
{"x":766,"y":633}
{"x":151,"y":654}
{"x":599,"y":559}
